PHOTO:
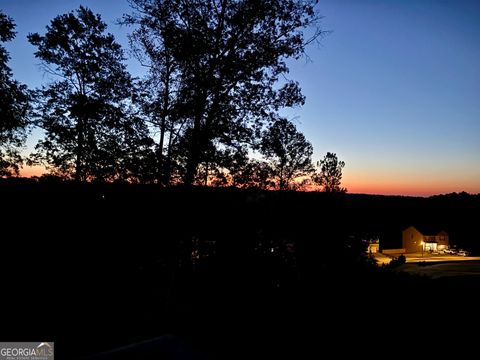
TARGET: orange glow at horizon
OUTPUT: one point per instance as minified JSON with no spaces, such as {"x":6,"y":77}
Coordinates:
{"x":409,"y":185}
{"x":31,"y":171}
{"x":391,"y":184}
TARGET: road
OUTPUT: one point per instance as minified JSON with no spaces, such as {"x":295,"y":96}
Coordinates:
{"x":419,"y":257}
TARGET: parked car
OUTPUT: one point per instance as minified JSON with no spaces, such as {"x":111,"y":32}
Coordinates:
{"x":450,"y":251}
{"x":463,"y":253}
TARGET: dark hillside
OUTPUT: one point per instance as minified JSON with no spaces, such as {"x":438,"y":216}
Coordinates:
{"x":125,"y":263}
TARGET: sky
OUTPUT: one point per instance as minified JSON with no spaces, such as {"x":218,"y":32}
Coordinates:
{"x":393,"y":87}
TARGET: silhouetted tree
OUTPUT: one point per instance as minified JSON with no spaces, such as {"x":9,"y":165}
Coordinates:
{"x":329,"y":175}
{"x":14,"y":105}
{"x":288,"y":152}
{"x":91,"y":130}
{"x":238,"y":170}
{"x":158,"y":100}
{"x":217,"y":63}
{"x":253,"y":174}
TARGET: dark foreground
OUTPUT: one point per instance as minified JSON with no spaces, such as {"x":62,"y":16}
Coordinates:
{"x":217,"y":274}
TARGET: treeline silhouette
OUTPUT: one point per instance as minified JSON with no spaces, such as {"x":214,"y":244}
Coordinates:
{"x":206,"y":113}
{"x":231,"y":271}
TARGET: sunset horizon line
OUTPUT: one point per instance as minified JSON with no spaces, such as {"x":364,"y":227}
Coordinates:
{"x":363,"y":189}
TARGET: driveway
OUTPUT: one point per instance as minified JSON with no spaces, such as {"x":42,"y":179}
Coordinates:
{"x":426,"y":257}
{"x":419,"y":257}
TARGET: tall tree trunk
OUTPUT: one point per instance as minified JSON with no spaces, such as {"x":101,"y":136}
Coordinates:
{"x":205,"y":178}
{"x":79,"y":151}
{"x":168,"y":162}
{"x":195,"y":146}
{"x":163,"y":123}
{"x":160,"y":159}
{"x":193,"y":159}
{"x":194,"y":156}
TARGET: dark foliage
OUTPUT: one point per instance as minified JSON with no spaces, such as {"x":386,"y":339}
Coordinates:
{"x":214,"y":74}
{"x":91,"y":129}
{"x":14,"y":106}
{"x":329,"y":175}
{"x":288,"y":152}
{"x":398,"y":261}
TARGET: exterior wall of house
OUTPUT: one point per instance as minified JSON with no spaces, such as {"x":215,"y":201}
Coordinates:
{"x":443,"y":240}
{"x":373,"y":248}
{"x":412,"y":240}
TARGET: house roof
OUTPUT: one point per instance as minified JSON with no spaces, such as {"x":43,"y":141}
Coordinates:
{"x":429,"y":230}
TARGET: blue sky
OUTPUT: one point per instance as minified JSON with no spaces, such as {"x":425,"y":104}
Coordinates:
{"x":393,"y":89}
